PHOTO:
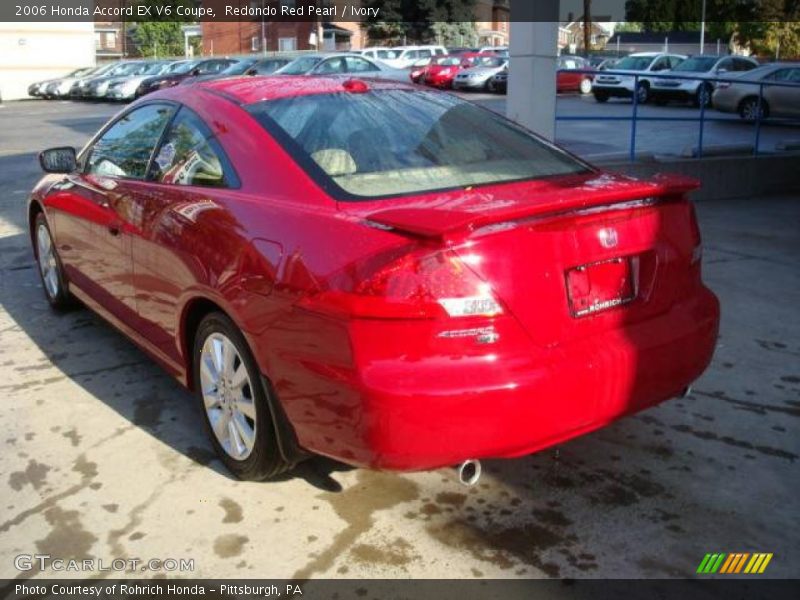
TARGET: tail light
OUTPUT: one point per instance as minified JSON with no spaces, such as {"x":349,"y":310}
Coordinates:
{"x":419,"y":285}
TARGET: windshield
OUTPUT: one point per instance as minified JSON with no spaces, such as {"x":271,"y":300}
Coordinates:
{"x":239,"y":67}
{"x":152,"y":69}
{"x":393,"y":142}
{"x":385,"y":54}
{"x":634,"y":63}
{"x":183,"y":67}
{"x":490,"y":61}
{"x":126,"y":69}
{"x":448,"y":61}
{"x":299,"y":66}
{"x":697,"y":64}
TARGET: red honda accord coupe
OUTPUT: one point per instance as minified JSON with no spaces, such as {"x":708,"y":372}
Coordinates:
{"x":375,"y":272}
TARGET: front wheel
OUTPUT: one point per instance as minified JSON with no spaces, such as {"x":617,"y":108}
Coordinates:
{"x":642,"y":93}
{"x":51,"y":271}
{"x":751,"y":110}
{"x":586,"y":86}
{"x":702,"y":98}
{"x":234,"y":401}
{"x":601,"y":96}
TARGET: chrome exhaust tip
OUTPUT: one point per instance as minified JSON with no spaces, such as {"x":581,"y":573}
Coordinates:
{"x":687,"y":391}
{"x":469,"y":472}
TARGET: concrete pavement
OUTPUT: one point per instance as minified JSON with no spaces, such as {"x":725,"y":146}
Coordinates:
{"x":104,"y":455}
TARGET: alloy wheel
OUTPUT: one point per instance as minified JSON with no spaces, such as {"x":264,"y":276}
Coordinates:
{"x":228,"y":396}
{"x":642,"y":93}
{"x":751,"y":111}
{"x":704,"y":96}
{"x":48,"y":265}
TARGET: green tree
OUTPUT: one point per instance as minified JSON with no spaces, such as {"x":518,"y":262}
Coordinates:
{"x":419,"y":21}
{"x":161,"y":35}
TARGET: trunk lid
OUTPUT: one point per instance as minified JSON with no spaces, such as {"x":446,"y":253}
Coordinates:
{"x":570,"y":260}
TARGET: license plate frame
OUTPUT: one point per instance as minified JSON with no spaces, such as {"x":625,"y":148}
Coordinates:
{"x":603,"y":285}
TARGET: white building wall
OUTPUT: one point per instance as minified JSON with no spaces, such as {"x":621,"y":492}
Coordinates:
{"x":31,"y":52}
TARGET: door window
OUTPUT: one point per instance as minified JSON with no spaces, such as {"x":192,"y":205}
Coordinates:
{"x":332,"y":65}
{"x":661,"y":64}
{"x":190,"y":155}
{"x":726,"y":64}
{"x":743,"y":65}
{"x":674,"y":61}
{"x":124,"y":150}
{"x":359,"y":65}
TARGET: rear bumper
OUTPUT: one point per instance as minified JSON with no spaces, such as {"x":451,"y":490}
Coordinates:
{"x":672,"y":94}
{"x":418,"y":409}
{"x":617,"y":91}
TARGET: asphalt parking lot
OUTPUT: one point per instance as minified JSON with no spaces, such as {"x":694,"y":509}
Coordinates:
{"x":104,"y":455}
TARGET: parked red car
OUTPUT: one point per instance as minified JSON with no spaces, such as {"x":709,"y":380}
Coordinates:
{"x":571,"y":75}
{"x":385,"y":275}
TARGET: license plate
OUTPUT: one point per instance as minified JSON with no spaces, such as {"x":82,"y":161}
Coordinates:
{"x":600,"y":286}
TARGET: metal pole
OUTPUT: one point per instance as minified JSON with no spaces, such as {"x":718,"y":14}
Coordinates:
{"x":703,"y":29}
{"x":702,"y":123}
{"x":635,"y":114}
{"x":758,"y":119}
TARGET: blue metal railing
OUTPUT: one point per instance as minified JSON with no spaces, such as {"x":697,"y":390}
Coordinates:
{"x":634,"y":118}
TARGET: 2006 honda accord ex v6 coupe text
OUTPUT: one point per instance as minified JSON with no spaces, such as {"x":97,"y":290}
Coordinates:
{"x":370,"y":271}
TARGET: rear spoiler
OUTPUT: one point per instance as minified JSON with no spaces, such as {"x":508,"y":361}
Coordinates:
{"x":440,"y":223}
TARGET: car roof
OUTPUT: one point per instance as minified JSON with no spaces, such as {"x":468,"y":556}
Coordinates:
{"x":249,"y":90}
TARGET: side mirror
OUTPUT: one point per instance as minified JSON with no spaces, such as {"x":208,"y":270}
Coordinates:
{"x":195,"y":72}
{"x":58,"y":160}
{"x":252,"y":71}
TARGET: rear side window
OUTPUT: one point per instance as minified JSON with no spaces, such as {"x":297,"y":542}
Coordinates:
{"x":743,"y":65}
{"x":190,"y":155}
{"x":394,"y":142}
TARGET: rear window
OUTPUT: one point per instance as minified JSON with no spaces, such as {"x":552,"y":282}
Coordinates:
{"x":697,"y":64}
{"x":395,"y":142}
{"x":634,"y":63}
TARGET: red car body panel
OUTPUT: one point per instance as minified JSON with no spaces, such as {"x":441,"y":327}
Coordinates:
{"x":395,"y":393}
{"x":569,"y":80}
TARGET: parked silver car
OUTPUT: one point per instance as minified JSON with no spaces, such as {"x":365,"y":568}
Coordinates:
{"x":705,"y":68}
{"x":343,"y":63}
{"x":742,"y":96}
{"x":125,"y":86}
{"x":59,"y":88}
{"x":479,"y":77}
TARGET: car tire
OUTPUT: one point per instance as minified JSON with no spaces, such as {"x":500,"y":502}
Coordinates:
{"x":490,"y":87}
{"x":702,"y":97}
{"x":601,"y":97}
{"x":51,"y":270}
{"x":234,"y":400}
{"x":748,"y":109}
{"x":642,"y":92}
{"x":586,"y":86}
